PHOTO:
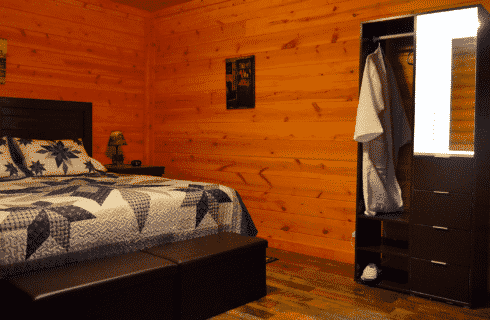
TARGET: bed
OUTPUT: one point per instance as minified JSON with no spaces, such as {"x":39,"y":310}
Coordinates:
{"x":59,"y":206}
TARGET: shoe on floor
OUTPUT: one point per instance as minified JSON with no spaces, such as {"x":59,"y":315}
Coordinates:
{"x":370,"y":273}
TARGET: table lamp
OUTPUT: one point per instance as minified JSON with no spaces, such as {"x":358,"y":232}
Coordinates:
{"x":117,"y":139}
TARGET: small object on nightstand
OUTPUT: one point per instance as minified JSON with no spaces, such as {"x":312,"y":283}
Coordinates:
{"x":136,"y":163}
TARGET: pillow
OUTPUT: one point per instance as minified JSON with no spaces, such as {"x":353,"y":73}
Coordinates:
{"x":59,"y":157}
{"x":8,"y":169}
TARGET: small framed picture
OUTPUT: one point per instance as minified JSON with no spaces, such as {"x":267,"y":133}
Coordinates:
{"x":3,"y":61}
{"x":240,"y":83}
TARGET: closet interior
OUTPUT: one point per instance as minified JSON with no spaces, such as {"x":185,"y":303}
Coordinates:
{"x":437,"y":246}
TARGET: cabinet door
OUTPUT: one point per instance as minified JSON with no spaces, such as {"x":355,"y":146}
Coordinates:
{"x":448,"y":246}
{"x":445,"y":281}
{"x":451,"y":210}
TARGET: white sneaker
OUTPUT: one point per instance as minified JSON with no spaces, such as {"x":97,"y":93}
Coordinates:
{"x":370,"y":272}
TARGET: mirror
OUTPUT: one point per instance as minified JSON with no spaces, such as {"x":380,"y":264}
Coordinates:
{"x":445,"y":83}
{"x":463,"y":84}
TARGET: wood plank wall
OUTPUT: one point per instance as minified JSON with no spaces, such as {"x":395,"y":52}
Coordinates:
{"x":90,"y":51}
{"x":292,"y":158}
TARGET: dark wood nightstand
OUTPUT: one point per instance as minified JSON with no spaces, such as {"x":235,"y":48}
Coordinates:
{"x":157,"y":171}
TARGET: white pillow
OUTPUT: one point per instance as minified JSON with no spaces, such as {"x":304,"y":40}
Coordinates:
{"x":8,"y":168}
{"x":59,"y":157}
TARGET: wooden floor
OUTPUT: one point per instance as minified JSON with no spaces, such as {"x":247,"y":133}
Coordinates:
{"x":305,"y":287}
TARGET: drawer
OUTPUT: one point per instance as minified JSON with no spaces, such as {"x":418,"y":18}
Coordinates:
{"x":449,"y":246}
{"x":454,"y":174}
{"x":446,"y":281}
{"x":451,"y":210}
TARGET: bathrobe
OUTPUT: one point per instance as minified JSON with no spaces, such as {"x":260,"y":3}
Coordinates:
{"x":382,"y":127}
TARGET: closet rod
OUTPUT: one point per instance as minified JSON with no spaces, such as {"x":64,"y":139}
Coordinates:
{"x":401,"y":35}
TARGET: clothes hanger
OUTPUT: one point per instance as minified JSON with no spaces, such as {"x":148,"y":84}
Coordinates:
{"x":408,"y":57}
{"x":379,"y":46}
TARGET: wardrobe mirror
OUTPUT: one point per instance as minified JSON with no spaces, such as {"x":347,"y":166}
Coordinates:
{"x":445,"y":83}
{"x":463,"y":84}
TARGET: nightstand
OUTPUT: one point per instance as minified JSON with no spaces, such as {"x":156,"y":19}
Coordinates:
{"x":157,"y":171}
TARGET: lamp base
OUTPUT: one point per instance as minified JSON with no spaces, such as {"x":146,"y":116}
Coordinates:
{"x":118,"y":160}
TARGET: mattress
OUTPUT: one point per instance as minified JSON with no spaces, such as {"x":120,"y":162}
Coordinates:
{"x":52,"y":221}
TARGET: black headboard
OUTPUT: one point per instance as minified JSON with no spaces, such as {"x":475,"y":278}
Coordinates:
{"x":46,"y":119}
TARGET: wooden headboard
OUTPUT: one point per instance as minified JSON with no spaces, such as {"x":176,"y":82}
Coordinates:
{"x":46,"y":120}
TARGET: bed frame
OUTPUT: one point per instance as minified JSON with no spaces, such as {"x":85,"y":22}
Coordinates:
{"x":46,"y":120}
{"x":192,"y":279}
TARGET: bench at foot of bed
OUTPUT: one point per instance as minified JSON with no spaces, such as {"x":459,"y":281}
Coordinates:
{"x":131,"y":286}
{"x":186,"y":280}
{"x":217,"y":273}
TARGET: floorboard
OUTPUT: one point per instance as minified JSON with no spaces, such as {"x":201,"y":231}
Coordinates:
{"x":309,"y":288}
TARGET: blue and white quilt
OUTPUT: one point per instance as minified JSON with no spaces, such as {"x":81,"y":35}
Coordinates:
{"x":62,"y":219}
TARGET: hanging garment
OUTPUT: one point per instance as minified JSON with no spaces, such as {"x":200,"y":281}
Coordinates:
{"x":382,"y":127}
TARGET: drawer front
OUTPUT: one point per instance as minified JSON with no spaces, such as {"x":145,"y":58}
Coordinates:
{"x":449,"y":210}
{"x":449,"y":281}
{"x":449,"y":246}
{"x":454,"y":174}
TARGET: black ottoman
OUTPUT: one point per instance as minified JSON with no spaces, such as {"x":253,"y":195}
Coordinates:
{"x":131,"y":286}
{"x":217,"y":273}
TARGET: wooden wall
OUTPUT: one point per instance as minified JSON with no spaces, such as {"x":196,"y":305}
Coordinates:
{"x":293,"y":157}
{"x":91,"y":51}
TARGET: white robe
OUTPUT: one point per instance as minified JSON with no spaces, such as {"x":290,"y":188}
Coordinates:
{"x":382,"y":127}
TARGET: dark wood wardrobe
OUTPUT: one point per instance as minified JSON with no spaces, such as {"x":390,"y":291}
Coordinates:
{"x":437,"y":247}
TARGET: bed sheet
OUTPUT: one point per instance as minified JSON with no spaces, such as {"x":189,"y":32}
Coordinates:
{"x":49,"y":221}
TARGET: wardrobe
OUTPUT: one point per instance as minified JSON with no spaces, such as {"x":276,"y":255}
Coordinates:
{"x":437,"y":245}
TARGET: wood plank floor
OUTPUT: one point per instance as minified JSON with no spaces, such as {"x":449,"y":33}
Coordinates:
{"x":310,"y":288}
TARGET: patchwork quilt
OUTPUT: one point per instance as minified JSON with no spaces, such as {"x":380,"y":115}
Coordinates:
{"x":61,"y":219}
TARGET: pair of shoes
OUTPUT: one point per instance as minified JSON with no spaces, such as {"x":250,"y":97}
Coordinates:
{"x":370,"y":273}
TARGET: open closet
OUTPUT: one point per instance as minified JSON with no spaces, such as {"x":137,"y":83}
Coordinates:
{"x":436,"y":244}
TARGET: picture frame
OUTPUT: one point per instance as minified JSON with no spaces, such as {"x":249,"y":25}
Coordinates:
{"x":3,"y":61}
{"x":240,"y":83}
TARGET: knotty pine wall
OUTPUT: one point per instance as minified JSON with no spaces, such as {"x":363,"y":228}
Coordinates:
{"x":90,"y":51}
{"x":293,"y":157}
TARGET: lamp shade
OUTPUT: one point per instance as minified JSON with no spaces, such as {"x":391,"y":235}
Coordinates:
{"x":117,"y":139}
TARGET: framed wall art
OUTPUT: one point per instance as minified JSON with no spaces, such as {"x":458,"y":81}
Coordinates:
{"x":3,"y":60}
{"x":240,"y":83}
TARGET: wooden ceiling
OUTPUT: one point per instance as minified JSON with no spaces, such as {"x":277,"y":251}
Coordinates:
{"x":150,"y":5}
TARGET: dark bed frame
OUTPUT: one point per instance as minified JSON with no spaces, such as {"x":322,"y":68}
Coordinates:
{"x":46,"y":120}
{"x":192,"y":279}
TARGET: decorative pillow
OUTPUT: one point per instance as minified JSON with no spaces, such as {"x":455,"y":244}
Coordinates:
{"x":8,"y":169}
{"x":59,"y":157}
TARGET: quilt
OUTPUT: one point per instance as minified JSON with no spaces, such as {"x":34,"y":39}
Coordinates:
{"x":62,"y":219}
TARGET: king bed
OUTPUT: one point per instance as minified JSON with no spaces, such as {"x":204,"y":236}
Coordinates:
{"x":62,"y":215}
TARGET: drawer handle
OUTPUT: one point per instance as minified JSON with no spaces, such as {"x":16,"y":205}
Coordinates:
{"x":441,"y":228}
{"x":438,"y":262}
{"x":443,"y":192}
